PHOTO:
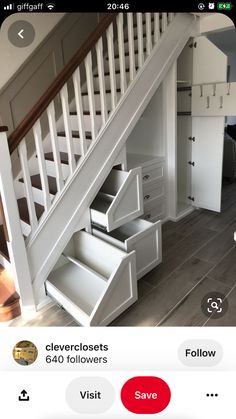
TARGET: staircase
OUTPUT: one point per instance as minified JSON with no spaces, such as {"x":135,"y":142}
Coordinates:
{"x":77,"y":132}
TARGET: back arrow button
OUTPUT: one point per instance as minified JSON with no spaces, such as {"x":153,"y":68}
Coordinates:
{"x":20,"y":33}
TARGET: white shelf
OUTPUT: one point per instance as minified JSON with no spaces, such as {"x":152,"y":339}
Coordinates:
{"x":136,"y":160}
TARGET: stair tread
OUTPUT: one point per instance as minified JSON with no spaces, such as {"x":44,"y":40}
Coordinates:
{"x":23,"y":210}
{"x":3,"y":244}
{"x":36,"y":183}
{"x":96,"y":92}
{"x":64,"y":157}
{"x":86,"y":113}
{"x":75,"y":134}
{"x":127,"y":53}
{"x":8,"y":294}
{"x":107,"y":73}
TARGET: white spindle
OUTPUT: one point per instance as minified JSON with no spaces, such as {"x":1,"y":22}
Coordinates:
{"x":92,"y":110}
{"x":120,"y":29}
{"x":79,"y":110}
{"x":55,"y":147}
{"x":67,"y":125}
{"x":156,"y":27}
{"x":131,"y":46}
{"x":112,"y":70}
{"x":42,"y":165}
{"x":171,"y":17}
{"x":140,"y":39}
{"x":148,"y":33}
{"x":102,"y":87}
{"x":164,"y":22}
{"x":27,"y":184}
{"x":16,"y":245}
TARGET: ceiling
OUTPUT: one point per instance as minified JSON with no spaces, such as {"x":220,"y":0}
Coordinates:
{"x":225,"y":40}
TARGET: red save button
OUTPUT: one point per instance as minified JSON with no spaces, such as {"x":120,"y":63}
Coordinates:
{"x":145,"y":395}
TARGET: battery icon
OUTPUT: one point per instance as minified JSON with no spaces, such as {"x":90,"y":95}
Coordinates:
{"x":224,"y":6}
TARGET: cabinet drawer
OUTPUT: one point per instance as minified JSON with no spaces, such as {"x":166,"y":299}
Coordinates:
{"x":155,"y":171}
{"x":139,"y":235}
{"x":155,"y":209}
{"x":152,"y":190}
{"x":94,"y":289}
{"x":119,"y":200}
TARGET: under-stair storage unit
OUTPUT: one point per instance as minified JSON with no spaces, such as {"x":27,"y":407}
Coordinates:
{"x":153,"y":183}
{"x":139,"y":235}
{"x":119,"y":199}
{"x":94,"y":281}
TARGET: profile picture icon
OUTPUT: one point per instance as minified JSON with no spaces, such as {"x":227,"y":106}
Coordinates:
{"x":25,"y":352}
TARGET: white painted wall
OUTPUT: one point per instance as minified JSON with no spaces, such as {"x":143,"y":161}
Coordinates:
{"x":214,"y":22}
{"x":12,"y":57}
{"x":147,"y":136}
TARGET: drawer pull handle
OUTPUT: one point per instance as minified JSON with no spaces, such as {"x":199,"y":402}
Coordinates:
{"x":146,"y":197}
{"x":146,"y":177}
{"x":147,"y":217}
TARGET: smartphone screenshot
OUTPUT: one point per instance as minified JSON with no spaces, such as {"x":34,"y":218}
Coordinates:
{"x":117,"y":210}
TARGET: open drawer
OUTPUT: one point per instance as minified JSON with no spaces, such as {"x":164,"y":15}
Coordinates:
{"x":119,"y":199}
{"x":94,"y":281}
{"x":139,"y":235}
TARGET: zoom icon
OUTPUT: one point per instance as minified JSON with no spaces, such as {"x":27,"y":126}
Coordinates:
{"x":214,"y":305}
{"x":201,"y":6}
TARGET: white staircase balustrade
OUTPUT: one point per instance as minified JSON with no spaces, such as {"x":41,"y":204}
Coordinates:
{"x":104,"y":108}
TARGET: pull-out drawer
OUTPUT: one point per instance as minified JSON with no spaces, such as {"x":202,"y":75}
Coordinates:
{"x":152,"y":190}
{"x":154,"y":210}
{"x":139,"y":235}
{"x":94,"y":281}
{"x":119,"y":200}
{"x":153,"y":172}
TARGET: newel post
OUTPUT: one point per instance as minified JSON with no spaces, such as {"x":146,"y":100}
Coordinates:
{"x":12,"y":228}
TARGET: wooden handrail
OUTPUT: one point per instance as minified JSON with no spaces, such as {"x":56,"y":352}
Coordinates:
{"x":41,"y":105}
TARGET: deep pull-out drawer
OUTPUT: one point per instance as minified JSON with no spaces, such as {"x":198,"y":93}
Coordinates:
{"x":94,"y":281}
{"x":119,"y":200}
{"x":139,"y":235}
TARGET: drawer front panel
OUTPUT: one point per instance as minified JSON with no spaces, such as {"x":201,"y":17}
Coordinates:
{"x":156,"y":209}
{"x":153,"y":190}
{"x":152,"y":172}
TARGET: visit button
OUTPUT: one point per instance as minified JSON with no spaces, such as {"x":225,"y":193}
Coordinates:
{"x":145,"y":395}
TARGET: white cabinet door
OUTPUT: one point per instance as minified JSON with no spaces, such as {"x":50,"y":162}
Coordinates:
{"x":209,"y":65}
{"x":207,"y":155}
{"x":209,"y":62}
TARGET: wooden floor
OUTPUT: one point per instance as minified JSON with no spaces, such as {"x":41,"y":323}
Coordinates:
{"x":199,"y":256}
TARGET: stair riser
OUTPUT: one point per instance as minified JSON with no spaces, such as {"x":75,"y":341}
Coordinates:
{"x":87,"y":122}
{"x":25,"y":228}
{"x":77,"y":146}
{"x":50,"y":167}
{"x":37,"y":193}
{"x":97,"y":102}
{"x":136,"y":30}
{"x":38,"y":196}
{"x":117,"y":63}
{"x":107,"y":82}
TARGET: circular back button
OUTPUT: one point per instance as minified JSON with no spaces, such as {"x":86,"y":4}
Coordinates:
{"x":145,"y":395}
{"x":21,"y":33}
